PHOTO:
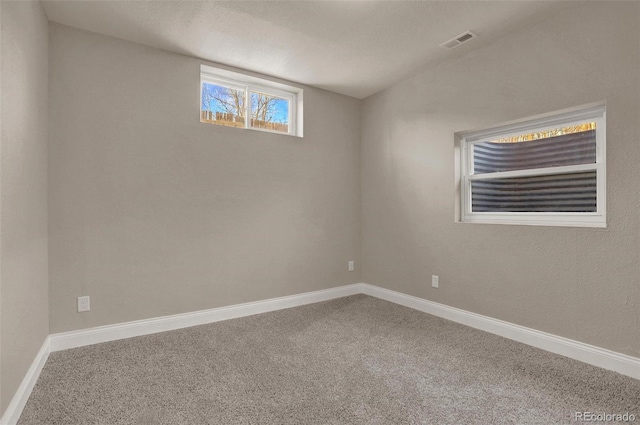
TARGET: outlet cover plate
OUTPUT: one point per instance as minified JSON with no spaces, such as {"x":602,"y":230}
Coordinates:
{"x":83,"y":304}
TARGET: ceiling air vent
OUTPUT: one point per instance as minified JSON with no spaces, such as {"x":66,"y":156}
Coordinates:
{"x":458,"y":40}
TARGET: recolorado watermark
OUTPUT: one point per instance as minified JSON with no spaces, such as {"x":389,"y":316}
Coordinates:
{"x":604,"y":417}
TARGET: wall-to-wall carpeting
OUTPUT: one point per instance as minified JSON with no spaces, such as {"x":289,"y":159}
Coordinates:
{"x":355,"y":360}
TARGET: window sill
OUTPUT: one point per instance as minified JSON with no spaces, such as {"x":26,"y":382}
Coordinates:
{"x":552,"y":220}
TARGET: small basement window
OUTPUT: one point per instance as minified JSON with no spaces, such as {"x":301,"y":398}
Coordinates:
{"x":236,"y":100}
{"x":547,"y":170}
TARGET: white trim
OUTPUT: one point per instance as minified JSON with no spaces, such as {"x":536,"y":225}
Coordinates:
{"x":568,"y":117}
{"x":19,"y":400}
{"x":596,"y":356}
{"x":577,"y":113}
{"x":217,"y":81}
{"x":250,"y":84}
{"x":593,"y":220}
{"x":245,"y":79}
{"x":548,"y":171}
{"x":79,"y":338}
{"x":606,"y":359}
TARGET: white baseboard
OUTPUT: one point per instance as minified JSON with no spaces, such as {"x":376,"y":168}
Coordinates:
{"x":73,"y":339}
{"x":19,"y":400}
{"x":66,"y":340}
{"x":626,"y":365}
{"x":606,"y":359}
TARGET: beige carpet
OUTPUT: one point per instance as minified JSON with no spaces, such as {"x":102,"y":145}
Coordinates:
{"x":356,"y":360}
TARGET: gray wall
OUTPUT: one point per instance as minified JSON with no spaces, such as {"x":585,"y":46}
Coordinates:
{"x":23,"y":192}
{"x":579,"y":283}
{"x":153,"y":213}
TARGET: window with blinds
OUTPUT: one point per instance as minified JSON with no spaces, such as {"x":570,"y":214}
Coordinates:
{"x":546,"y":170}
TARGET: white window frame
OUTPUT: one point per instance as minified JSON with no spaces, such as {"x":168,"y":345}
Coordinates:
{"x":249,"y":85}
{"x":565,"y":118}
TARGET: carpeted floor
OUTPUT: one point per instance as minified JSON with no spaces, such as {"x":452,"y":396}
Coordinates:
{"x":355,"y":360}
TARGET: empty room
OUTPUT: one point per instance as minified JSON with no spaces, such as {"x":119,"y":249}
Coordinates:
{"x":319,"y":212}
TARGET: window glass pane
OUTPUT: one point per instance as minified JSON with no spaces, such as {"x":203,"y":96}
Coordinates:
{"x":269,"y":112}
{"x":222,"y":105}
{"x":559,"y":147}
{"x":574,"y":192}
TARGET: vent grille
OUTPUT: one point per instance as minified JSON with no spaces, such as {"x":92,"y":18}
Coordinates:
{"x":458,"y":40}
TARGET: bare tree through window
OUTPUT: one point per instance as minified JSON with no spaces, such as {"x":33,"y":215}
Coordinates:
{"x":226,"y":106}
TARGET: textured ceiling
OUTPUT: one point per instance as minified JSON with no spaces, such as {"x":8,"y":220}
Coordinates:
{"x":355,"y":48}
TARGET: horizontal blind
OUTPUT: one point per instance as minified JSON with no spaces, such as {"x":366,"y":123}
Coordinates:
{"x":568,"y":149}
{"x":574,"y":192}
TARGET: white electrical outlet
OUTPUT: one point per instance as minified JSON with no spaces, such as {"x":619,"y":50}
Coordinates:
{"x":434,"y":281}
{"x":352,"y":266}
{"x":83,"y":304}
